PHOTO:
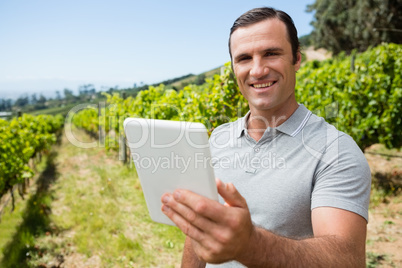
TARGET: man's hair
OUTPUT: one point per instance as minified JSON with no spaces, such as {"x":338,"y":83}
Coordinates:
{"x":264,"y":13}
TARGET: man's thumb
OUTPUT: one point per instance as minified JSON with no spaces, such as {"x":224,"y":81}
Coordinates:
{"x":230,"y":194}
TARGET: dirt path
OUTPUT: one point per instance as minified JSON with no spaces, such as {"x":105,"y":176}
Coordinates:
{"x":108,"y":224}
{"x":384,"y":234}
{"x":92,"y":214}
{"x":384,"y":231}
{"x":316,"y":54}
{"x":96,"y":218}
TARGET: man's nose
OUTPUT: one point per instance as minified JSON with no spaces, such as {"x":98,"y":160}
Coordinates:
{"x":258,"y":69}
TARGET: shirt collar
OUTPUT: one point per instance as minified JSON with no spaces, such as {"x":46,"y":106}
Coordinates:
{"x":292,"y":126}
{"x":242,"y":125}
{"x":295,"y":123}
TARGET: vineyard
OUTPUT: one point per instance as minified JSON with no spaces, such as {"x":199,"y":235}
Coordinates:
{"x":23,"y":139}
{"x":86,"y":210}
{"x":360,"y":94}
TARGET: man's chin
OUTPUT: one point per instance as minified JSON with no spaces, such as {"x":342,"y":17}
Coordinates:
{"x":261,"y":106}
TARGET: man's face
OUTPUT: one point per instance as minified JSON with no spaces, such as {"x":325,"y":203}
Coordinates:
{"x":263,"y":64}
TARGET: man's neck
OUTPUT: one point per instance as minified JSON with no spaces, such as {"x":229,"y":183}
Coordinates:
{"x":259,"y":120}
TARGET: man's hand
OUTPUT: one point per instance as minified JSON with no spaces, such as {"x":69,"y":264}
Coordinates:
{"x":218,"y":232}
{"x":221,"y":233}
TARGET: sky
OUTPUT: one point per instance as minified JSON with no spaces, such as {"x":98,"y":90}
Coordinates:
{"x":47,"y":45}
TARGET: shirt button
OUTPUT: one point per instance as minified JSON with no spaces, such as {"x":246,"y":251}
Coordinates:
{"x":256,"y":150}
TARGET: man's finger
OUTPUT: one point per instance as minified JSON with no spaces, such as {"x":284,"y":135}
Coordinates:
{"x":187,"y":228}
{"x":201,"y":205}
{"x":187,"y":214}
{"x":230,"y":194}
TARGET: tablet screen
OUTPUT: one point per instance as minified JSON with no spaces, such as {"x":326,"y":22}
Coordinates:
{"x":170,"y":155}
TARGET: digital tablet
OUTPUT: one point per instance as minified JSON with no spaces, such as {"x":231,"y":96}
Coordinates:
{"x":170,"y":155}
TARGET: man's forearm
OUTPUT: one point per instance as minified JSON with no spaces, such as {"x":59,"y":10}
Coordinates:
{"x":190,"y":259}
{"x":270,"y":250}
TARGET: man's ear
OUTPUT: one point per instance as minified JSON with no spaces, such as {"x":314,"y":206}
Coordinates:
{"x":298,"y":61}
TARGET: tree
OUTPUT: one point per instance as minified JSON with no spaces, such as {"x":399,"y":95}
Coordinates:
{"x":200,"y":79}
{"x":22,"y":101}
{"x":40,"y":103}
{"x":34,"y":99}
{"x":345,"y":25}
{"x":305,"y":41}
{"x":86,"y":89}
{"x":68,"y":94}
{"x":6,"y":104}
{"x":42,"y":99}
{"x":58,"y":95}
{"x":2,"y":105}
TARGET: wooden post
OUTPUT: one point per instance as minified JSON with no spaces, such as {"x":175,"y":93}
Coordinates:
{"x":102,"y":125}
{"x":122,"y":139}
{"x":122,"y":149}
{"x":352,"y":62}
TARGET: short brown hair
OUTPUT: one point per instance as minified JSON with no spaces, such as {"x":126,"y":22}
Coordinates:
{"x":260,"y":14}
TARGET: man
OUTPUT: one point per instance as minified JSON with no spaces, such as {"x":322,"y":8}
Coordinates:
{"x":295,"y":190}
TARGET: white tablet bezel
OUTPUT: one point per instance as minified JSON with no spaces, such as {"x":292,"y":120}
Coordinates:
{"x":158,"y":147}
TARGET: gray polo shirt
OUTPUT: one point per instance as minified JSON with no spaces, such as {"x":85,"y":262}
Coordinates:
{"x":302,"y":164}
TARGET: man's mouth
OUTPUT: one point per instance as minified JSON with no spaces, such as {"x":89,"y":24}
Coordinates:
{"x":263,"y":85}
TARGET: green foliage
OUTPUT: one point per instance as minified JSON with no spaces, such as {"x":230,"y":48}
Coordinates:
{"x":91,"y":122}
{"x":21,"y":139}
{"x":306,"y":41}
{"x":375,"y":259}
{"x":364,"y":101}
{"x":216,"y":102}
{"x":30,"y":221}
{"x":344,"y":25}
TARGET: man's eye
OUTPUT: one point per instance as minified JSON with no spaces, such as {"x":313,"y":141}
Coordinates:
{"x":270,"y":54}
{"x":243,"y":59}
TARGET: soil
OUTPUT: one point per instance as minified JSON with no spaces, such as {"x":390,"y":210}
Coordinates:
{"x":316,"y":54}
{"x":384,"y":231}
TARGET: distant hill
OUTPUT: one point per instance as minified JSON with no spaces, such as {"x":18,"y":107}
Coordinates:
{"x":62,"y":106}
{"x":193,"y":79}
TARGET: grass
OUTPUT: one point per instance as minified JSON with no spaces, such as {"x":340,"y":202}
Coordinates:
{"x":106,"y":196}
{"x":378,"y":195}
{"x":94,"y":214}
{"x":55,"y":110}
{"x":374,"y":259}
{"x":89,"y":211}
{"x":10,"y":220}
{"x":31,"y":220}
{"x":383,"y":185}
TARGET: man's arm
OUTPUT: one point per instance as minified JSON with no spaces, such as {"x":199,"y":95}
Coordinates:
{"x":190,"y":259}
{"x":225,"y":232}
{"x":339,"y":241}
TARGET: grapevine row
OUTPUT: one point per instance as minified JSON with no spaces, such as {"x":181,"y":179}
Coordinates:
{"x":23,"y":138}
{"x":360,"y":94}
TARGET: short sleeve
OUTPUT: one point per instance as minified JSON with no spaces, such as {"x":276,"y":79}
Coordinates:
{"x":342,"y":179}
